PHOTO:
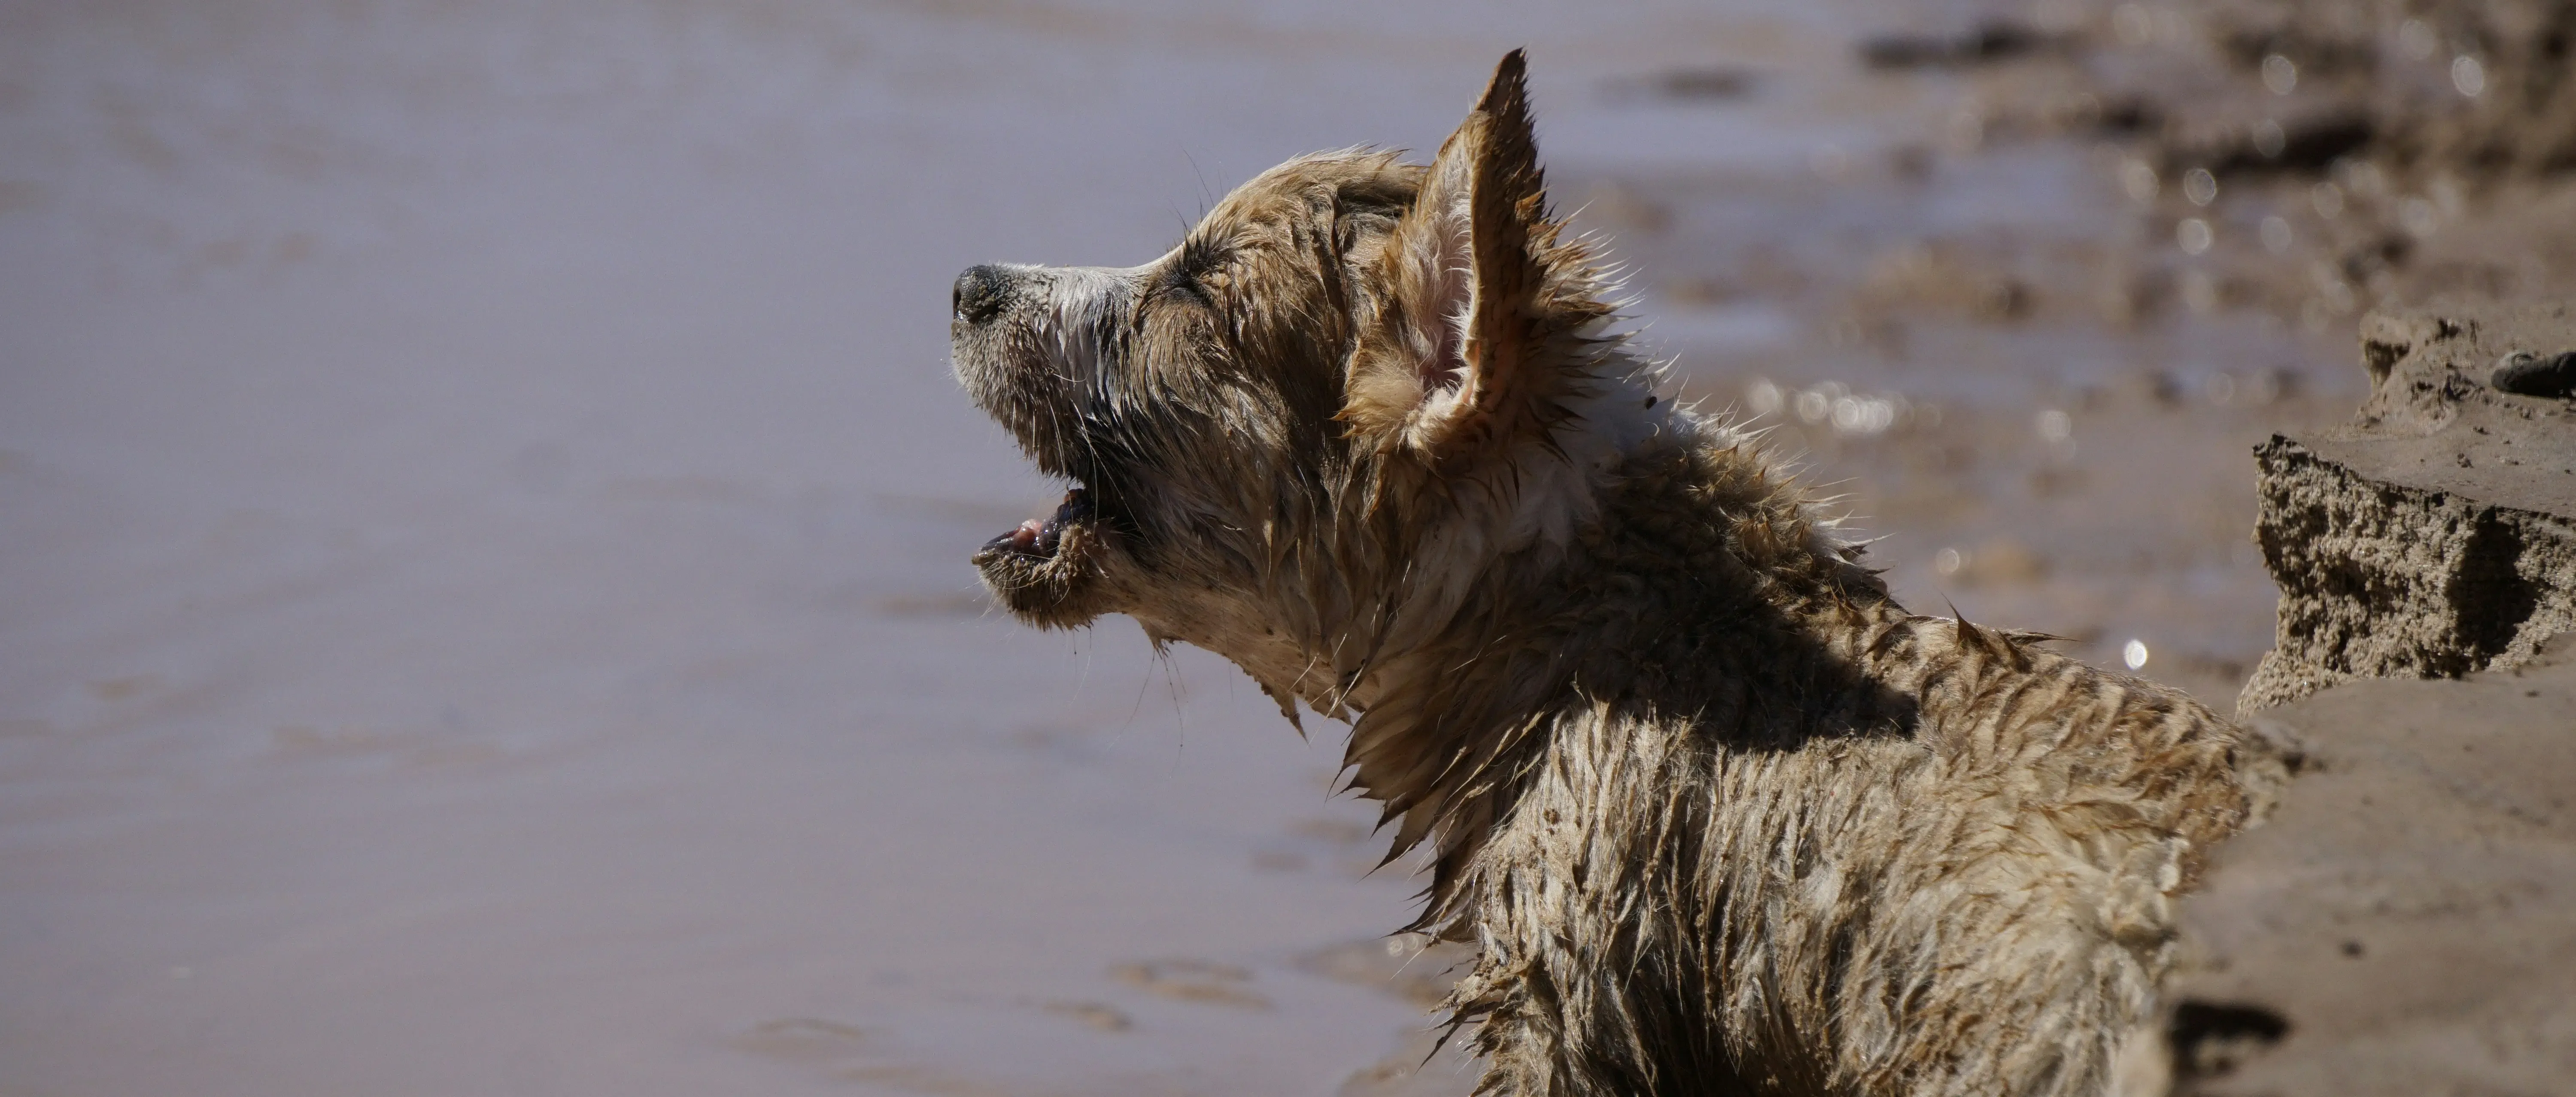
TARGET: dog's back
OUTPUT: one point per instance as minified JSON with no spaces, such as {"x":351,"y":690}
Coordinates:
{"x":1783,"y":836}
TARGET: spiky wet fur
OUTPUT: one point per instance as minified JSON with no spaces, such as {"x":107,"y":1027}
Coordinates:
{"x":1719,"y":815}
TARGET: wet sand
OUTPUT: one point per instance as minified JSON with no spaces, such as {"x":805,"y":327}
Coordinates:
{"x":483,"y":513}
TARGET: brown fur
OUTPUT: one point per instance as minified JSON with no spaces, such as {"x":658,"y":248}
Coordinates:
{"x":1718,"y":814}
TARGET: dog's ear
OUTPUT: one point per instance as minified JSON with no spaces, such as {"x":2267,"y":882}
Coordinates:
{"x":1457,"y":356}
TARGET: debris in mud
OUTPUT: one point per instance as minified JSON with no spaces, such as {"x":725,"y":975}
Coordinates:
{"x":2524,"y":373}
{"x":1689,"y":85}
{"x":1989,"y":42}
{"x":801,"y":1039}
{"x":1093,"y":1015}
{"x":1197,"y":981}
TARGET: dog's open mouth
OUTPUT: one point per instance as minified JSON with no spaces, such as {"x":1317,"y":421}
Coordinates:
{"x":1037,"y":540}
{"x":1047,"y":571}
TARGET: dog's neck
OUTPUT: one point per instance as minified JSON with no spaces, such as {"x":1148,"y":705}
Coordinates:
{"x":1636,"y":503}
{"x":1685,"y":562}
{"x":1354,"y":605}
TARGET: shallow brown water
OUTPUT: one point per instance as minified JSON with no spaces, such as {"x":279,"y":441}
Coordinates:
{"x":483,"y":513}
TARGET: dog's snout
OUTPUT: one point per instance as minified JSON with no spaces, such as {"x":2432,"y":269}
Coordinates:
{"x":980,"y":293}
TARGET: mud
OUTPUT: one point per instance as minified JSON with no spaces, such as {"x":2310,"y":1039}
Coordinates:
{"x":2402,"y":924}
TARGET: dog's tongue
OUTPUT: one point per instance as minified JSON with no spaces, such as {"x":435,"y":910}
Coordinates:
{"x":1041,"y":536}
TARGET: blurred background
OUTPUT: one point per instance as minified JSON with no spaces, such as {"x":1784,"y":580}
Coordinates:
{"x":484,"y":509}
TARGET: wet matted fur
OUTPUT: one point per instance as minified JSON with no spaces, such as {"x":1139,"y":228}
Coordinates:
{"x":1718,"y":814}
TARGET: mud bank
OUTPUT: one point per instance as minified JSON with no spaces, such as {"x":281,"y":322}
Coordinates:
{"x":2400,"y":923}
{"x":2436,"y":534}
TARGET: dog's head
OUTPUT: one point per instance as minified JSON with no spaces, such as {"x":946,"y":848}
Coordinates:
{"x":1355,"y":382}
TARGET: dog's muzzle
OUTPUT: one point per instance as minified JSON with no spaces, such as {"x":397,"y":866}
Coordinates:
{"x":1028,"y":344}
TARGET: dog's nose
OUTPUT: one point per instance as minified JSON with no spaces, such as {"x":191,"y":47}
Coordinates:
{"x":980,"y":293}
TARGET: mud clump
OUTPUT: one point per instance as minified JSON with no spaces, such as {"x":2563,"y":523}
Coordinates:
{"x":2436,"y":535}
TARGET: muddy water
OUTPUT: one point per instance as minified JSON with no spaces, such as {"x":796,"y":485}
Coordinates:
{"x":483,"y":515}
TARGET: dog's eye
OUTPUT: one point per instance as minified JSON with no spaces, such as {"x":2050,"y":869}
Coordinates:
{"x":1210,"y":288}
{"x":1197,"y":289}
{"x":1200,"y":273}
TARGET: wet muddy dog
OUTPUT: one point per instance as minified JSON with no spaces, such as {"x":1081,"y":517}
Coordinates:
{"x":1716,"y":813}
